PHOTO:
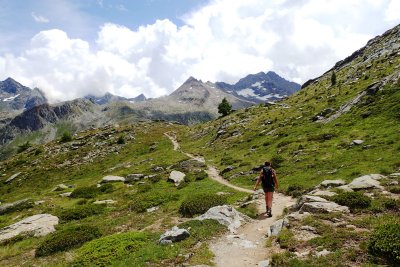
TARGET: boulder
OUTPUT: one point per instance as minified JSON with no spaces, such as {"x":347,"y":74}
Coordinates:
{"x":134,"y":177}
{"x":307,"y":198}
{"x":357,"y":142}
{"x":36,"y":225}
{"x":330,"y":183}
{"x":174,"y":235}
{"x":17,"y":205}
{"x":297,"y":216}
{"x":345,"y":188}
{"x":176,"y":177}
{"x":323,"y":207}
{"x":277,"y":227}
{"x":366,"y":182}
{"x":225,"y":215}
{"x":112,"y":179}
{"x":12,"y":177}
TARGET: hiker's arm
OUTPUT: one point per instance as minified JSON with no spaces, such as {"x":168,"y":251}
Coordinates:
{"x":275,"y":179}
{"x":258,"y":181}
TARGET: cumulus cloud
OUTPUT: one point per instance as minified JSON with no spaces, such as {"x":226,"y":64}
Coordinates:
{"x":223,"y":41}
{"x":39,"y":19}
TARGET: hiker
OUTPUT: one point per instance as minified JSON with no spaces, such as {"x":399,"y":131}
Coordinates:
{"x":269,"y":182}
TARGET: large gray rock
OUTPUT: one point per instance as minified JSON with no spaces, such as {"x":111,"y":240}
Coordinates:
{"x":297,"y":216}
{"x":307,"y":198}
{"x":322,"y":193}
{"x":174,"y":235}
{"x":112,"y":179}
{"x":36,"y":225}
{"x":17,"y":205}
{"x":176,"y":177}
{"x":134,"y":177}
{"x":12,"y":177}
{"x":334,"y":183}
{"x":366,"y":182}
{"x":323,"y":207}
{"x":277,"y":227}
{"x":225,"y":215}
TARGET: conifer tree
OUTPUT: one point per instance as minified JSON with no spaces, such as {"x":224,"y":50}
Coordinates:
{"x":224,"y":107}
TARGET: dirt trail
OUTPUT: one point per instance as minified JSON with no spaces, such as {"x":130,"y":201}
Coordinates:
{"x":247,"y":246}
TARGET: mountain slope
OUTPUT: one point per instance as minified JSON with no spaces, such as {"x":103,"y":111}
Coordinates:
{"x":261,"y":87}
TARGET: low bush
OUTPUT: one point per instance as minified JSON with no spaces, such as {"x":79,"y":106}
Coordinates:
{"x":106,"y":188}
{"x":85,"y":192}
{"x":80,"y":212}
{"x":105,"y":250}
{"x":395,"y":189}
{"x":200,"y":176}
{"x":200,"y":203}
{"x":24,"y":146}
{"x":67,"y":238}
{"x":353,"y":200}
{"x":295,"y":190}
{"x":384,"y":242}
{"x":276,"y":161}
{"x":66,"y":137}
{"x":286,"y":239}
{"x":143,"y":201}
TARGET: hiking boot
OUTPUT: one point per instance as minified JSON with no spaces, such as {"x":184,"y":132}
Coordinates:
{"x":269,"y":212}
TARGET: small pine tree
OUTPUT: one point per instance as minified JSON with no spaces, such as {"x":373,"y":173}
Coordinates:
{"x":333,"y":78}
{"x":224,"y":107}
{"x":24,"y":146}
{"x":121,"y":140}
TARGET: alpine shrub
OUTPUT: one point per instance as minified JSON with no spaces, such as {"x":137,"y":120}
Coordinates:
{"x":353,"y":200}
{"x":80,"y":212}
{"x":66,"y":137}
{"x":200,"y":203}
{"x":85,"y":192}
{"x":65,"y":239}
{"x":384,"y":242}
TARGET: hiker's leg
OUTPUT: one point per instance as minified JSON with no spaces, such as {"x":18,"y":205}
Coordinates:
{"x":266,"y":200}
{"x":269,"y":199}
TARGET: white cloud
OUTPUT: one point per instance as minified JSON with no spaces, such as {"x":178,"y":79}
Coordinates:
{"x":392,"y":12}
{"x":39,"y":19}
{"x":222,"y":41}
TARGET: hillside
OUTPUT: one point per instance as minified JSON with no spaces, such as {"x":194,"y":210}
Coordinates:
{"x":109,"y":196}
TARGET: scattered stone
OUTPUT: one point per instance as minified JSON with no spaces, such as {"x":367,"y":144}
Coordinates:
{"x":17,"y":205}
{"x":323,"y":253}
{"x":39,"y":202}
{"x":67,"y":194}
{"x":334,"y":183}
{"x":37,"y":225}
{"x":357,"y":142}
{"x":152,"y":209}
{"x":366,"y":182}
{"x":264,"y":263}
{"x":134,"y":177}
{"x":222,"y":193}
{"x":324,"y":207}
{"x":307,"y":198}
{"x":277,"y":227}
{"x":298,"y":216}
{"x":225,"y":215}
{"x":350,"y":226}
{"x":106,"y":201}
{"x":60,"y":187}
{"x":12,"y":177}
{"x":308,"y":228}
{"x":158,"y":169}
{"x":302,"y":254}
{"x":393,"y":183}
{"x":174,"y":235}
{"x":176,"y":177}
{"x":323,"y":193}
{"x":112,"y":179}
{"x":394,"y":175}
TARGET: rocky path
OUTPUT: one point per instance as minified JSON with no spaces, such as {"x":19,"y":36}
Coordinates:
{"x":246,"y":247}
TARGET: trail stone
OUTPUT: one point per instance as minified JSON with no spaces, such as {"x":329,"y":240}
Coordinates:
{"x":134,"y":177}
{"x":176,"y":177}
{"x":225,"y":215}
{"x":323,"y":207}
{"x":307,"y":198}
{"x":334,"y":183}
{"x":37,"y":225}
{"x":174,"y":235}
{"x":277,"y":227}
{"x":366,"y":182}
{"x":297,"y":216}
{"x":12,"y":177}
{"x":112,"y":179}
{"x":265,"y":263}
{"x":20,"y":204}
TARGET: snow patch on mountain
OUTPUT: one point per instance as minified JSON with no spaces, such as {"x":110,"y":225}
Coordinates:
{"x":11,"y":98}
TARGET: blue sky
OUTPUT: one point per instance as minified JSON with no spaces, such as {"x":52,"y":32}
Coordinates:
{"x":70,"y":48}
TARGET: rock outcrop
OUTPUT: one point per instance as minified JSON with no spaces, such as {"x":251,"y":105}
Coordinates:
{"x":17,"y":205}
{"x":36,"y":225}
{"x":174,"y":235}
{"x":176,"y":177}
{"x":112,"y":179}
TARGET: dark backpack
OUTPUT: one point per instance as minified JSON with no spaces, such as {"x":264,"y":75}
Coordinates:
{"x":267,"y":179}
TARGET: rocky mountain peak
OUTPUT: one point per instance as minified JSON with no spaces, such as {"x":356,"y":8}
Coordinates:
{"x":11,"y":86}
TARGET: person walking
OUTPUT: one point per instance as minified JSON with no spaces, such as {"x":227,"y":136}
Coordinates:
{"x":269,"y":182}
